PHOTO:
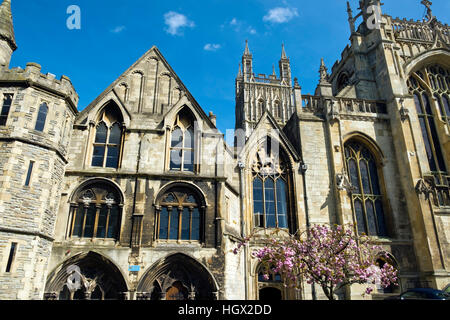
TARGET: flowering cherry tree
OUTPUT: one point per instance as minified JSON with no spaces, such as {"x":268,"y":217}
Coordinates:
{"x":332,"y":257}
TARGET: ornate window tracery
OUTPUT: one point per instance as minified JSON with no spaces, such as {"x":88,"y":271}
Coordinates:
{"x":179,"y":216}
{"x":96,"y":213}
{"x":270,"y":176}
{"x":183,"y":143}
{"x":428,"y":85}
{"x":108,"y":140}
{"x":367,"y":196}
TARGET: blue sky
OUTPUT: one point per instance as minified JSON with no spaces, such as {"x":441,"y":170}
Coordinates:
{"x":203,"y":40}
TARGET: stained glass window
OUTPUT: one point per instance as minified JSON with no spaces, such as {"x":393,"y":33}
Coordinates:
{"x":178,"y":217}
{"x":430,"y":88}
{"x":366,"y":195}
{"x":182,"y":143}
{"x":270,"y":191}
{"x":108,"y":140}
{"x":96,"y":213}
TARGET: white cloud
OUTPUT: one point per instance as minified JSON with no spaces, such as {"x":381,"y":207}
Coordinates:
{"x":280,"y":15}
{"x":175,"y":21}
{"x":251,"y":30}
{"x":118,"y":29}
{"x":212,"y":47}
{"x":239,"y":26}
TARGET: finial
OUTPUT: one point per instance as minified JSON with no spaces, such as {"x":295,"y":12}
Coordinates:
{"x":247,"y":51}
{"x":240,"y":71}
{"x":428,"y":5}
{"x":283,"y":52}
{"x":273,"y":70}
{"x":323,"y":71}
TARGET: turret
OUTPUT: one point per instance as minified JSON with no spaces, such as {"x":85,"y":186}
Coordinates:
{"x":7,"y":39}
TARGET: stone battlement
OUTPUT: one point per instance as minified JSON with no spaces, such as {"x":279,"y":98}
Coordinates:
{"x":33,"y":77}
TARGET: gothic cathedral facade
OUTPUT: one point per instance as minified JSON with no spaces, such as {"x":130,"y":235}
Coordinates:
{"x":142,"y":196}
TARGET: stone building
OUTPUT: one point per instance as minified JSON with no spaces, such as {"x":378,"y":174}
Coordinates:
{"x":139,"y":197}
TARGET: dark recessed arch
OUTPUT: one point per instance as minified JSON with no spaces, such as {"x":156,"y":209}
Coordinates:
{"x":182,"y":272}
{"x":100,"y":279}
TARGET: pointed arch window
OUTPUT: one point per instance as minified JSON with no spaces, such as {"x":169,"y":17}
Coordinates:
{"x":182,"y":145}
{"x":7,"y":101}
{"x":96,"y":212}
{"x":367,"y":198}
{"x":270,"y":189}
{"x":428,"y":85}
{"x":278,"y":110}
{"x":179,"y":217}
{"x":42,"y":117}
{"x":107,"y":146}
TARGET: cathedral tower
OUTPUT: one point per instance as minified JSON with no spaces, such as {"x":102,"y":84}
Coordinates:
{"x":37,"y":113}
{"x":258,"y":93}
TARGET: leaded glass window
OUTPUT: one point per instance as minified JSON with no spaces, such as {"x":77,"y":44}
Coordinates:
{"x":367,"y":197}
{"x":108,"y":141}
{"x":270,"y":189}
{"x":182,"y":143}
{"x":42,"y":117}
{"x":430,"y":88}
{"x":96,"y":213}
{"x":179,"y":217}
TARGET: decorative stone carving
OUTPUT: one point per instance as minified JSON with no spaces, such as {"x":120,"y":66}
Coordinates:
{"x":343,"y":182}
{"x":426,"y":187}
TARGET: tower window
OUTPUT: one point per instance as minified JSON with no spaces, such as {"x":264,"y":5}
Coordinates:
{"x":30,"y":171}
{"x":42,"y":116}
{"x":7,"y":101}
{"x":12,"y":254}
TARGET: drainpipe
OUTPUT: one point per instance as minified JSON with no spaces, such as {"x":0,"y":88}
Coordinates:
{"x":137,"y":218}
{"x":304,"y":168}
{"x":241,"y":198}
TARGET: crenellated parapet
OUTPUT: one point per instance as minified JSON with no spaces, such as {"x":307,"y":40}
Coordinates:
{"x":32,"y":77}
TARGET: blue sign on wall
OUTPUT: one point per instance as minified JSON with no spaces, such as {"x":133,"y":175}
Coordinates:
{"x":134,"y":268}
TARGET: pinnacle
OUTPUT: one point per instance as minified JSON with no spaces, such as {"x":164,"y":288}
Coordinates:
{"x":247,"y":51}
{"x":283,"y":52}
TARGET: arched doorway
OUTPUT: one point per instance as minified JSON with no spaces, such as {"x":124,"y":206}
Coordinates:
{"x":177,"y":277}
{"x":270,"y":285}
{"x":96,"y":278}
{"x":270,"y":294}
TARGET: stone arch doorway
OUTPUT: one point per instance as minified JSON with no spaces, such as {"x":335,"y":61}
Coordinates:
{"x":270,"y":294}
{"x":99,"y":279}
{"x":177,"y":277}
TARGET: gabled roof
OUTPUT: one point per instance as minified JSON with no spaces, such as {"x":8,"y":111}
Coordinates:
{"x":267,"y":117}
{"x":153,"y":52}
